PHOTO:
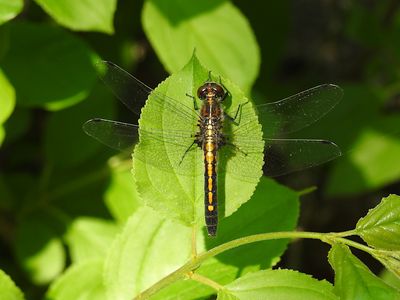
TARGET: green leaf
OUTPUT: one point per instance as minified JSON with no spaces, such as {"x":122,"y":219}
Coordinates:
{"x":217,"y":30}
{"x":277,"y":284}
{"x":39,"y":249}
{"x":18,"y":124}
{"x":7,"y":98}
{"x":66,"y":145}
{"x":121,"y":196}
{"x":88,"y":15}
{"x":181,"y":197}
{"x":380,"y":228}
{"x":148,"y":249}
{"x":89,"y":238}
{"x":353,"y":280}
{"x":390,"y":279}
{"x":48,"y":66}
{"x":8,"y":289}
{"x":81,"y":281}
{"x":9,"y":9}
{"x":273,"y":207}
{"x":390,"y":259}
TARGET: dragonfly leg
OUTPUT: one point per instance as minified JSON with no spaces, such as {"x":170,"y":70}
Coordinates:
{"x":190,"y":148}
{"x":194,"y":101}
{"x":224,"y":141}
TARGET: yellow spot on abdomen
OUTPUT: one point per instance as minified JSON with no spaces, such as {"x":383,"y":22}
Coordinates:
{"x":209,"y":157}
{"x":210,"y":197}
{"x":210,"y":208}
{"x":210,"y":181}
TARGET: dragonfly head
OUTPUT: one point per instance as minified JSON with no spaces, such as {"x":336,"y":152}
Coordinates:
{"x":211,"y":90}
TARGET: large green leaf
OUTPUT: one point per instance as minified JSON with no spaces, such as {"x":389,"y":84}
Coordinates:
{"x":148,"y":249}
{"x":277,"y":284}
{"x":217,"y":30}
{"x":66,"y":145}
{"x":380,"y":228}
{"x":8,"y":289}
{"x":9,"y":9}
{"x":86,"y":15}
{"x":353,"y":280}
{"x":89,"y":238}
{"x":158,"y":165}
{"x":48,"y":66}
{"x":39,"y":248}
{"x":81,"y":281}
{"x":272,"y":208}
{"x":7,"y":98}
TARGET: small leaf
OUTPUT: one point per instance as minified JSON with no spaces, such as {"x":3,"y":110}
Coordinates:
{"x":217,"y":30}
{"x":39,"y":248}
{"x":380,"y":228}
{"x":148,"y":249}
{"x":9,"y":9}
{"x":353,"y":280}
{"x":181,"y":197}
{"x":48,"y":66}
{"x":390,"y":259}
{"x":87,"y":15}
{"x":8,"y":289}
{"x":89,"y":238}
{"x":121,"y":197}
{"x":277,"y":284}
{"x":7,"y":98}
{"x":81,"y":281}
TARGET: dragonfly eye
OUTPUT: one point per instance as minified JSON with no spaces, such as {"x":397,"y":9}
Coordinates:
{"x":202,"y":92}
{"x":219,"y":91}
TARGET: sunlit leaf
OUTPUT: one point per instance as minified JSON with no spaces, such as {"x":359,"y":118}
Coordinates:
{"x":7,"y":98}
{"x":121,"y":197}
{"x":87,"y":15}
{"x":217,"y":30}
{"x":272,"y":208}
{"x":353,"y":280}
{"x":181,"y":196}
{"x":277,"y":284}
{"x":81,"y":281}
{"x":148,"y":249}
{"x":9,"y":9}
{"x":48,"y":66}
{"x":8,"y":289}
{"x":89,"y":238}
{"x":39,"y":248}
{"x":380,"y":228}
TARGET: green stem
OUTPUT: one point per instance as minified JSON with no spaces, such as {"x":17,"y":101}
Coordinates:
{"x":206,"y":281}
{"x":187,"y":269}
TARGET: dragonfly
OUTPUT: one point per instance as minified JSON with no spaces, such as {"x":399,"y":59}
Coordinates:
{"x":281,"y":156}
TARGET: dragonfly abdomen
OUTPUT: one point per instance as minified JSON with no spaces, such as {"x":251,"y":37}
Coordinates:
{"x":210,"y":179}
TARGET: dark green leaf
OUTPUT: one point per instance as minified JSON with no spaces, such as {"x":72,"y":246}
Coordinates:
{"x":66,"y":145}
{"x":181,"y":196}
{"x":277,"y":284}
{"x":380,"y":228}
{"x":89,"y":238}
{"x":48,"y":66}
{"x":8,"y":289}
{"x":9,"y":9}
{"x":81,"y":281}
{"x":88,"y":15}
{"x":217,"y":30}
{"x":353,"y":280}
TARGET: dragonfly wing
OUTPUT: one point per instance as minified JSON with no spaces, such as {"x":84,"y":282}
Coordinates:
{"x":116,"y":135}
{"x":286,"y":156}
{"x":133,"y":93}
{"x":298,"y":111}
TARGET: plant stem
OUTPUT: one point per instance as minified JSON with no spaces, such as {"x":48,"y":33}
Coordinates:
{"x":187,"y":270}
{"x":206,"y":281}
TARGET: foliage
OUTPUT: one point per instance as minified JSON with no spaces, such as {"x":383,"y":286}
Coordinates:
{"x":77,"y":222}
